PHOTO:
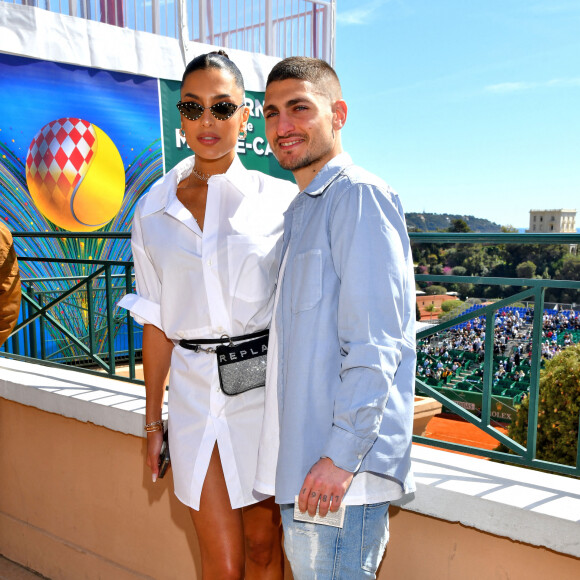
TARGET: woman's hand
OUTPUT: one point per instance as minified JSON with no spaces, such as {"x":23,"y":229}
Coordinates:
{"x":154,"y":442}
{"x":157,"y":349}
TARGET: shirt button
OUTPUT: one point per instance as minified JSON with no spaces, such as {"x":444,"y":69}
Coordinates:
{"x":209,"y":262}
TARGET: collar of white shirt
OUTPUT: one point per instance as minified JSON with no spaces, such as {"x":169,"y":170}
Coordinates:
{"x":163,"y":191}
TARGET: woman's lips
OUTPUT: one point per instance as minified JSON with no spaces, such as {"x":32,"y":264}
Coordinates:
{"x":208,"y":138}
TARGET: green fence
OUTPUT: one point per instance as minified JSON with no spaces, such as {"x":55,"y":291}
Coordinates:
{"x":77,"y":313}
{"x":529,"y":290}
{"x":71,"y":317}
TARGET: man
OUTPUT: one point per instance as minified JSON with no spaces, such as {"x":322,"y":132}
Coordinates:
{"x":345,"y":332}
{"x":9,"y":285}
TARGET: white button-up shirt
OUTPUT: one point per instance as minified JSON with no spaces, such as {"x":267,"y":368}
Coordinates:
{"x":192,"y":285}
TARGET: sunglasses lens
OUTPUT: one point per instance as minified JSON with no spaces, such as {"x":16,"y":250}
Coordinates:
{"x":194,"y":111}
{"x":191,"y":111}
{"x":223,"y":111}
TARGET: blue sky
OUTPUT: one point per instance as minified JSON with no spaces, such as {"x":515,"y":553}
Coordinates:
{"x":465,"y":106}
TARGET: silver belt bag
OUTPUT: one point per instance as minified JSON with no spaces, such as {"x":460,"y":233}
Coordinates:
{"x":241,"y":360}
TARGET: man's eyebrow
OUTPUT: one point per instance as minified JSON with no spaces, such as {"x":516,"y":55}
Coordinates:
{"x":289,"y":103}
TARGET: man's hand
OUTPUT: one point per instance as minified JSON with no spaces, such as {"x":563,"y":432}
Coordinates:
{"x":325,"y":483}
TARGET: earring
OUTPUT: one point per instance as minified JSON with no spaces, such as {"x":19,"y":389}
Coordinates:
{"x":242,"y":134}
{"x":182,"y":132}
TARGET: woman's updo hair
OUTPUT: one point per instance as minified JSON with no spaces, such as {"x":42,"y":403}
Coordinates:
{"x":217,"y":59}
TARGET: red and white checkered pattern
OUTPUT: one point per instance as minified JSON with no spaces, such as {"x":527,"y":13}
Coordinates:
{"x":59,"y":156}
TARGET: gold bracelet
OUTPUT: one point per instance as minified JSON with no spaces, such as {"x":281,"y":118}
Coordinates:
{"x":154,"y":426}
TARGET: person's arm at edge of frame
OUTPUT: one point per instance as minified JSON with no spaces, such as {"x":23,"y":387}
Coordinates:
{"x":10,"y":291}
{"x":326,"y":476}
{"x":157,"y":349}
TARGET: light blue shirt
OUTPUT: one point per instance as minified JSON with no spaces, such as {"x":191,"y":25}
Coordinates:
{"x":346,"y":327}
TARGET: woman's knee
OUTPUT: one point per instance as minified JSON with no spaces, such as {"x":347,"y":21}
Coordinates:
{"x":262,"y":546}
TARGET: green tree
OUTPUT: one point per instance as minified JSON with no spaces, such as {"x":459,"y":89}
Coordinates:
{"x":558,"y":410}
{"x":434,"y":289}
{"x":449,"y":305}
{"x":432,"y":259}
{"x":546,"y":257}
{"x":465,"y":290}
{"x":526,"y":269}
{"x":570,"y":269}
{"x":458,"y":226}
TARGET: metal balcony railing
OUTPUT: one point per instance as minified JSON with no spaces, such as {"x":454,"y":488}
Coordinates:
{"x":273,"y":27}
{"x":72,"y":319}
{"x":530,"y":290}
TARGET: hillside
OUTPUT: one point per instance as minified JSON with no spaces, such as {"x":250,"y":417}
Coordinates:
{"x":432,"y":222}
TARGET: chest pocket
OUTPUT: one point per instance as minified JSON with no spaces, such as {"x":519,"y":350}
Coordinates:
{"x":251,"y":266}
{"x":306,"y":281}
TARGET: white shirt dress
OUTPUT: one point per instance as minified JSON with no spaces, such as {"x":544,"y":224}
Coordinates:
{"x":193,"y":285}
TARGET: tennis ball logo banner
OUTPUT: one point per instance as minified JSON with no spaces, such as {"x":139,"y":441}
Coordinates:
{"x":75,"y":174}
{"x":80,"y":156}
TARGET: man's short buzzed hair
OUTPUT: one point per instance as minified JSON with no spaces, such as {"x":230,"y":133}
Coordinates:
{"x":304,"y":68}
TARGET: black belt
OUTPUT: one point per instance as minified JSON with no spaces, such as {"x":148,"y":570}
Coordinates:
{"x":195,"y":343}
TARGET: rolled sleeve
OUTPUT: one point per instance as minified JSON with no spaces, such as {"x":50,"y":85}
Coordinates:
{"x":142,"y":310}
{"x":370,"y":251}
{"x":145,"y":305}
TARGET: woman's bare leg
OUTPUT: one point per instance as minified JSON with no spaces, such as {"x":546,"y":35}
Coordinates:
{"x":219,"y":528}
{"x":263,"y":539}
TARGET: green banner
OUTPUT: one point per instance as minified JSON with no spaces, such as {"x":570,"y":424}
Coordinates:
{"x":502,"y":408}
{"x":254,"y":151}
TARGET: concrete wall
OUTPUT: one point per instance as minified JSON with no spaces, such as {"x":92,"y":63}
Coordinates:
{"x":76,"y":501}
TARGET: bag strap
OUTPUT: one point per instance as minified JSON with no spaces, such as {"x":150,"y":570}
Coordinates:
{"x":192,"y":344}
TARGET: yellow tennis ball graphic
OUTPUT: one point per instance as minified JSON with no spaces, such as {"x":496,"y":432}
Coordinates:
{"x":75,"y":175}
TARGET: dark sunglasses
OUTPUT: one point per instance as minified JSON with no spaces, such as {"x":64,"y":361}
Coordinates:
{"x":221,"y":111}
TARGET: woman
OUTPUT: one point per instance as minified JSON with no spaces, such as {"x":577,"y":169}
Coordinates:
{"x":205,"y":242}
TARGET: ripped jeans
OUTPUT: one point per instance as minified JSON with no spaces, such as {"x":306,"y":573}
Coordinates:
{"x":318,"y":552}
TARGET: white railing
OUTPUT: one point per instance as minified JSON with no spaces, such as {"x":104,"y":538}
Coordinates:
{"x":273,"y":27}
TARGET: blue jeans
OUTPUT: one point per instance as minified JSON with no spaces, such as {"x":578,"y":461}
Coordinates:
{"x":318,"y":552}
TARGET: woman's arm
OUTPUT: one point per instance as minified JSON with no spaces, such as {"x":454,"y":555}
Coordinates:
{"x":157,"y":350}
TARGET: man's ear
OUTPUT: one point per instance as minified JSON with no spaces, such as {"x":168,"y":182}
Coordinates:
{"x":339,"y":114}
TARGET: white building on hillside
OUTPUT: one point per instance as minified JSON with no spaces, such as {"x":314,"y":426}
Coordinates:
{"x":556,"y":221}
